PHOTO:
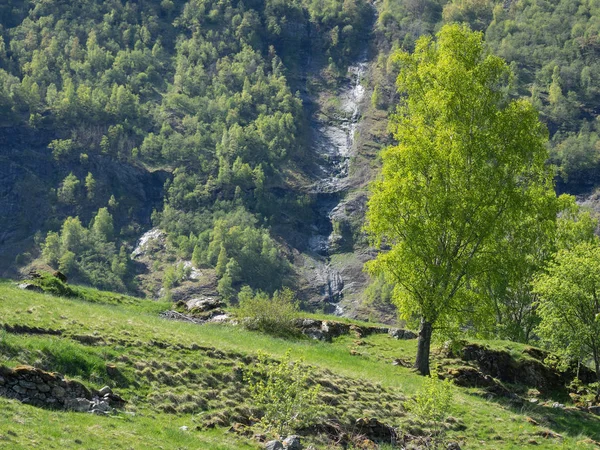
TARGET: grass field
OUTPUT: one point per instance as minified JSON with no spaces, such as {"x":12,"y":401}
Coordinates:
{"x":177,"y":374}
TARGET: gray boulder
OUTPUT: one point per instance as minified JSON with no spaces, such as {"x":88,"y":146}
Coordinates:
{"x":273,"y":445}
{"x":78,"y":404}
{"x":99,"y":405}
{"x":399,"y":333}
{"x":30,"y":287}
{"x":594,"y":410}
{"x":204,"y":304}
{"x":292,"y":443}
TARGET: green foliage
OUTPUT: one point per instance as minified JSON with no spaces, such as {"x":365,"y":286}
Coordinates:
{"x":561,"y":71}
{"x":231,"y":242}
{"x":432,"y":403}
{"x":90,"y":186}
{"x":282,"y":392}
{"x":89,"y":254}
{"x":68,"y":190}
{"x":62,"y":148}
{"x":575,"y":224}
{"x":174,"y":275}
{"x":405,"y":21}
{"x":72,"y":234}
{"x":169,"y":278}
{"x":197,"y":87}
{"x":274,"y":315}
{"x":552,"y":48}
{"x":376,"y":98}
{"x":225,"y":287}
{"x":222,"y":260}
{"x":517,"y":258}
{"x":469,"y":169}
{"x":569,"y":305}
{"x":379,"y":291}
{"x":67,"y":262}
{"x":577,"y":154}
{"x":103,"y":226}
{"x":51,"y":248}
{"x":476,"y":13}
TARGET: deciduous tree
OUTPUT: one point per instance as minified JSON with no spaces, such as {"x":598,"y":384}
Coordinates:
{"x":469,"y":167}
{"x":569,"y":304}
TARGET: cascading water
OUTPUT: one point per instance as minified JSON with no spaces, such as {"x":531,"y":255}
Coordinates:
{"x":334,"y":139}
{"x":334,"y":142}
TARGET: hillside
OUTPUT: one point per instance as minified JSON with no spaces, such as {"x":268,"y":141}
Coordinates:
{"x":187,"y":116}
{"x":197,"y":117}
{"x":224,"y":223}
{"x":173,"y":374}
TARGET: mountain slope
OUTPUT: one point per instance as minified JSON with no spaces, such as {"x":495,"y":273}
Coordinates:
{"x":107,"y":101}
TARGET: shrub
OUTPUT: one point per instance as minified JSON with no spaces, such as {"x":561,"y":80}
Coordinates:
{"x":275,"y":315}
{"x":281,"y":391}
{"x":170,"y":278}
{"x":67,"y":262}
{"x":433,"y":401}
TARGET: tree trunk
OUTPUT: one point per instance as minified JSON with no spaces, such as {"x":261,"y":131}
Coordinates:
{"x":597,"y":367}
{"x":424,"y":344}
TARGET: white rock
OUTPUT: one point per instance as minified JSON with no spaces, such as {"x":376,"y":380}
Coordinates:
{"x":105,"y":390}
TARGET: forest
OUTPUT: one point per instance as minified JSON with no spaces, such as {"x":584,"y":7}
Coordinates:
{"x":198,"y":89}
{"x":209,"y":97}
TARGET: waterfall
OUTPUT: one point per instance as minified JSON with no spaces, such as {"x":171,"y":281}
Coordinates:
{"x":334,"y":145}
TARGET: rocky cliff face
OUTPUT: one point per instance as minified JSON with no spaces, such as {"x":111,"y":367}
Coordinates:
{"x":24,"y":192}
{"x":330,"y":264}
{"x":29,"y":176}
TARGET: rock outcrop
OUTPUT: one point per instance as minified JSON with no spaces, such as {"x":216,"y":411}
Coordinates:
{"x":30,"y":287}
{"x":401,"y":333}
{"x":29,"y":174}
{"x":470,"y":377}
{"x":376,"y":431}
{"x":501,"y":365}
{"x":199,"y":310}
{"x":289,"y":443}
{"x":326,"y":330}
{"x":292,"y":442}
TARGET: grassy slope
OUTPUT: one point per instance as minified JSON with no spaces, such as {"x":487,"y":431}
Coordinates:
{"x":191,"y":382}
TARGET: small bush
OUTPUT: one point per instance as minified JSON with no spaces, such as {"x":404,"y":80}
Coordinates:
{"x":433,"y":401}
{"x":276,"y":315}
{"x":281,"y":391}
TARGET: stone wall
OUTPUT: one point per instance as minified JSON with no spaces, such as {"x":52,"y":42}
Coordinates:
{"x":51,"y":390}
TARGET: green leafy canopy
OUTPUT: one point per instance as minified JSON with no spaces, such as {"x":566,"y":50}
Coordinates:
{"x":468,"y":169}
{"x":569,"y":304}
